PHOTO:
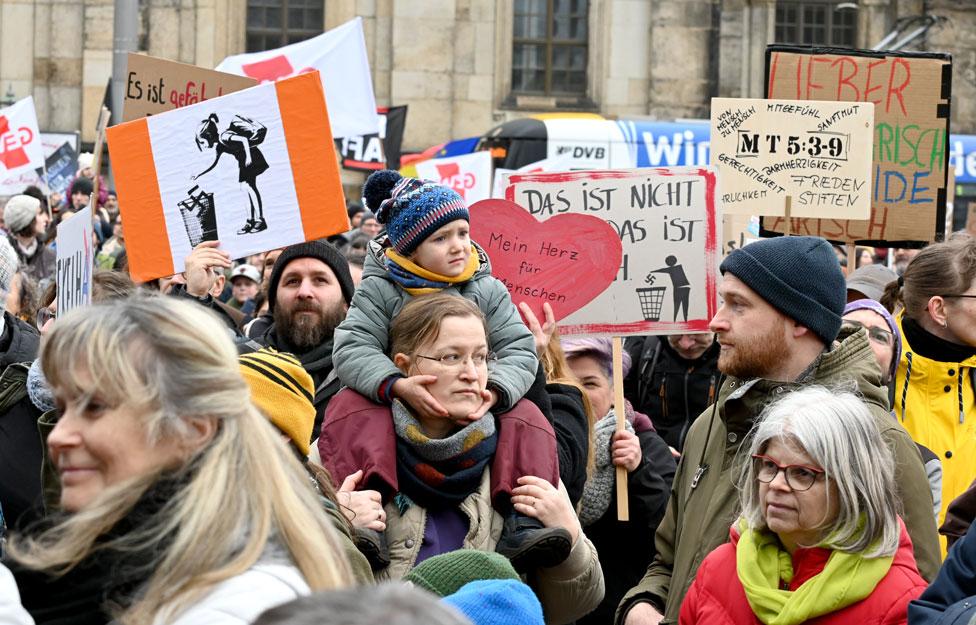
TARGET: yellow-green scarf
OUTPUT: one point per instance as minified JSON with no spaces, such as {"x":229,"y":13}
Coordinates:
{"x":761,"y":563}
{"x":416,"y":280}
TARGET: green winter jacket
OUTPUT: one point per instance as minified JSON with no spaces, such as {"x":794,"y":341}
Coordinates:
{"x":362,"y":341}
{"x":699,"y":516}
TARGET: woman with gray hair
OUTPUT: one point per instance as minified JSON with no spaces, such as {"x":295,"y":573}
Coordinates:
{"x":819,"y":535}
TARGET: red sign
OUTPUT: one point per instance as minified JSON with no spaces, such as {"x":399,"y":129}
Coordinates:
{"x":566,"y":260}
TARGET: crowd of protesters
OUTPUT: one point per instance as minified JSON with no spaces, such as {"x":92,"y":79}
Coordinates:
{"x":369,"y":429}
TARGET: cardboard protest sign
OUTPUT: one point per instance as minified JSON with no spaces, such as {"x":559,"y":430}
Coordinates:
{"x":911,"y":94}
{"x":811,"y":152}
{"x":566,"y":260}
{"x":379,"y":150}
{"x":738,"y":231}
{"x":563,"y":162}
{"x":278,"y":184}
{"x":668,"y":224}
{"x":61,"y":168}
{"x":468,"y":174}
{"x":155,"y":85}
{"x":340,"y":57}
{"x":75,"y":261}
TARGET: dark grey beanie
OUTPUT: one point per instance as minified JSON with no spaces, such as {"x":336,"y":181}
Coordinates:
{"x":798,"y":276}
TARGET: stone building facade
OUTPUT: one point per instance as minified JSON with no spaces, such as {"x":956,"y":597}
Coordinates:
{"x":451,"y":61}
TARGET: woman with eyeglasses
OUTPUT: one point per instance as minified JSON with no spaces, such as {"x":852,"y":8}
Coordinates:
{"x":934,"y":386}
{"x":441,"y":494}
{"x":818,"y":539}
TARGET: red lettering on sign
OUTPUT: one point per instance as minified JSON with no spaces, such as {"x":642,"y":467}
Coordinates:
{"x":897,"y":91}
{"x":12,"y":152}
{"x":843,"y":80}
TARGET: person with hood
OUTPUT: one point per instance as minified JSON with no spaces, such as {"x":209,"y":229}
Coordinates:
{"x":428,"y":250}
{"x":779,"y":326}
{"x":818,"y":539}
{"x":935,"y":394}
{"x":27,"y":221}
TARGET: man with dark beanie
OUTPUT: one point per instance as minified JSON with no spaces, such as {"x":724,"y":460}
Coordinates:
{"x":308,"y":295}
{"x":779,"y":327}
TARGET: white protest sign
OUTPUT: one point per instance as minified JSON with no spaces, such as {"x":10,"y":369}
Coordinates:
{"x":668,"y":222}
{"x":816,"y":153}
{"x":340,"y":56}
{"x":468,"y":174}
{"x":75,"y":261}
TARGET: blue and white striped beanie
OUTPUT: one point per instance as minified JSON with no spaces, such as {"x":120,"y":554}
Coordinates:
{"x":411,"y":209}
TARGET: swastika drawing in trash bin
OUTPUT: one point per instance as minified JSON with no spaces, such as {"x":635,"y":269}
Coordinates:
{"x":241,"y":140}
{"x":680,"y":289}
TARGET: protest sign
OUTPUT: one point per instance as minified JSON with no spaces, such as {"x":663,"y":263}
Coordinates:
{"x":810,"y":152}
{"x":279,"y":185}
{"x":20,"y":140}
{"x":155,"y":85}
{"x":75,"y":261}
{"x":738,"y":231}
{"x":563,"y":162}
{"x":14,"y":183}
{"x":340,"y":57}
{"x":668,"y":223}
{"x":61,"y":168}
{"x":911,"y":94}
{"x":468,"y":174}
{"x":566,"y":260}
{"x":380,"y":150}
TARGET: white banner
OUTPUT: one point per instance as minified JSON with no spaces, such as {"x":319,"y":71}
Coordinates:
{"x":75,"y":261}
{"x":563,"y":162}
{"x":468,"y":174}
{"x":20,"y":139}
{"x":340,"y":57}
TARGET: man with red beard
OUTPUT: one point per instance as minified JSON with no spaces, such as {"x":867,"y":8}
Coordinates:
{"x":779,"y":327}
{"x":308,"y":295}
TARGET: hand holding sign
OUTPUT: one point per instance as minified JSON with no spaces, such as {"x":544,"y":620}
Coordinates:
{"x":566,"y":260}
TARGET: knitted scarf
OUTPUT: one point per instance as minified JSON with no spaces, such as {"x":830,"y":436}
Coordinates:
{"x":416,"y":280}
{"x":437,"y":473}
{"x":761,"y":563}
{"x":598,"y":489}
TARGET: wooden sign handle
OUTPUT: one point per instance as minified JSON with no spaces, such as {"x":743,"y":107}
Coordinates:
{"x":619,"y":409}
{"x":851,"y":258}
{"x":789,"y":216}
{"x":103,"y":116}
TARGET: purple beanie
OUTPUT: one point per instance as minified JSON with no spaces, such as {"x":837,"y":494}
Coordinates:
{"x":601,"y":349}
{"x":870,"y":304}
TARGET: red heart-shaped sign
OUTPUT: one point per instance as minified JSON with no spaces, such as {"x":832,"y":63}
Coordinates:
{"x":566,"y":260}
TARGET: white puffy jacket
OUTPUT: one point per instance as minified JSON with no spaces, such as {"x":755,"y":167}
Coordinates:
{"x":11,"y":612}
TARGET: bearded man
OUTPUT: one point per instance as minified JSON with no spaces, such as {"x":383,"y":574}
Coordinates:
{"x":779,"y":327}
{"x":308,"y":294}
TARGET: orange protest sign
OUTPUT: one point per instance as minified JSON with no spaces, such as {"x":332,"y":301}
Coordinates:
{"x":255,"y":169}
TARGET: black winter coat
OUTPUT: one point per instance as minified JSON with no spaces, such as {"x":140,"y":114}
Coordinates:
{"x":667,"y":388}
{"x":626,"y":548}
{"x":20,"y":444}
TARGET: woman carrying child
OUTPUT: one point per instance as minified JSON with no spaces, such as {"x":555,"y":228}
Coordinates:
{"x":427,"y":249}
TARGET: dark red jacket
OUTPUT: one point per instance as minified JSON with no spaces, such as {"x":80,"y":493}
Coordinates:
{"x":716,"y":597}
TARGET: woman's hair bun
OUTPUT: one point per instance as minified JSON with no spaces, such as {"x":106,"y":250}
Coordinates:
{"x":379,"y":187}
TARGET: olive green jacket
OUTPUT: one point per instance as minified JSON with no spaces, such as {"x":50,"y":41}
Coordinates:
{"x":704,"y":500}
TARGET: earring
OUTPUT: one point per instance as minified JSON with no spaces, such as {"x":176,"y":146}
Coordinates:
{"x":945,"y":324}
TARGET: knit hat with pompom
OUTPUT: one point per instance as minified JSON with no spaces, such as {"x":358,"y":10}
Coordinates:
{"x":412,"y":209}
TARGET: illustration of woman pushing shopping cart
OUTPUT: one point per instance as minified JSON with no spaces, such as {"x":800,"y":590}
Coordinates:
{"x":241,"y":140}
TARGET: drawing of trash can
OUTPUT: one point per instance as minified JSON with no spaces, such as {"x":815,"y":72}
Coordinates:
{"x":199,"y":216}
{"x":651,"y":300}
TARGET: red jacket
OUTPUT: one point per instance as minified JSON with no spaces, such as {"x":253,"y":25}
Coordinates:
{"x":716,"y":597}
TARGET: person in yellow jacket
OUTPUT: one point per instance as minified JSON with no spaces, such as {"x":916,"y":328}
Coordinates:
{"x":934,"y":397}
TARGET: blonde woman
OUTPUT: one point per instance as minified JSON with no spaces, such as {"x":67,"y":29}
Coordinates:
{"x":180,"y":502}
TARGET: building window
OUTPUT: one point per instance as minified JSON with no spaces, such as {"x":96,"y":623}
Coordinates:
{"x":275,"y":23}
{"x":549,"y":52}
{"x":816,"y":22}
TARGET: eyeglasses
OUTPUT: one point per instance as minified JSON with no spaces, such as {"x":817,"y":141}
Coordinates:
{"x":44,"y":315}
{"x":876,"y":334}
{"x":798,"y":477}
{"x":456,"y":361}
